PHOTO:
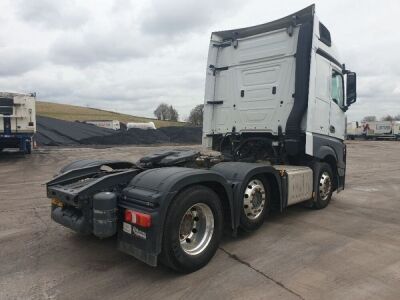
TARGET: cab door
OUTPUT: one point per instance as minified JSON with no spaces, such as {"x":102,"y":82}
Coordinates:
{"x":321,"y":105}
{"x":337,"y":116}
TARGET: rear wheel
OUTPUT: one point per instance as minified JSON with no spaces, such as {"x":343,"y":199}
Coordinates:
{"x":193,"y":229}
{"x":324,"y":187}
{"x":256,"y":203}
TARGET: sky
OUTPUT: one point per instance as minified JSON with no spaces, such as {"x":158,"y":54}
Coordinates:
{"x":130,"y":55}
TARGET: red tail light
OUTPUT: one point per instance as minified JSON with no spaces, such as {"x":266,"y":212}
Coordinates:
{"x":128,"y":216}
{"x":134,"y":217}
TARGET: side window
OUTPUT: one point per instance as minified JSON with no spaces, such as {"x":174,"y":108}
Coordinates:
{"x":337,"y":88}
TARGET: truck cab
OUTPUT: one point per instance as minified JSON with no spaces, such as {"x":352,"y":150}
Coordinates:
{"x":17,"y":121}
{"x":283,"y":81}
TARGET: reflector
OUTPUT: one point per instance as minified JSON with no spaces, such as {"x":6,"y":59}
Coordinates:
{"x":134,"y":217}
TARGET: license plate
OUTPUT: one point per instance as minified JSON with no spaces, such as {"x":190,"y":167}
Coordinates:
{"x":126,"y":227}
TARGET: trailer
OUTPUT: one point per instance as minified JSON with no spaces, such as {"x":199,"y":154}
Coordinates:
{"x":274,"y":112}
{"x":109,"y":124}
{"x":373,"y":130}
{"x":355,"y":130}
{"x":142,"y":125}
{"x":17,"y":121}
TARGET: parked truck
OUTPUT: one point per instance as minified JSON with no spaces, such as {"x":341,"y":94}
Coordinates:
{"x":275,"y":107}
{"x":372,"y":130}
{"x":17,"y":121}
{"x":396,"y":129}
{"x":354,"y":130}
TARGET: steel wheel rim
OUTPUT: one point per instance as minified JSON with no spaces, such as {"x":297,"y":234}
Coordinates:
{"x":254,"y":199}
{"x":325,"y":186}
{"x":196,"y":229}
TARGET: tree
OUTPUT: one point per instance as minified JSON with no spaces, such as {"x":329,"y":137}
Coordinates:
{"x":161,"y":112}
{"x":387,"y":118}
{"x":173,"y":113}
{"x":196,"y":115}
{"x":166,"y":112}
{"x":369,"y":119}
{"x":397,"y":117}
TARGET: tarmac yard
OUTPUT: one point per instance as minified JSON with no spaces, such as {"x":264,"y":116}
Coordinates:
{"x":350,"y":250}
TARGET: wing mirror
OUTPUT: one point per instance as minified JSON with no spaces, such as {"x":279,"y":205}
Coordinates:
{"x":351,"y":88}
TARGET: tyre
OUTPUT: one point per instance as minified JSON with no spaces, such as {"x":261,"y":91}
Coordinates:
{"x":324,"y":186}
{"x":256,"y":203}
{"x":193,"y":229}
{"x":28,"y":148}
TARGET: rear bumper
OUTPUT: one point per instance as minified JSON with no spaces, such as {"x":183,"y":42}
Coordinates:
{"x":140,"y":243}
{"x":20,"y":141}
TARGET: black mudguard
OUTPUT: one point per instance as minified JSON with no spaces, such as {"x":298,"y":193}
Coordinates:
{"x":152,"y":192}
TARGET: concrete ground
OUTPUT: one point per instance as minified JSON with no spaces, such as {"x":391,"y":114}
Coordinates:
{"x":350,"y":250}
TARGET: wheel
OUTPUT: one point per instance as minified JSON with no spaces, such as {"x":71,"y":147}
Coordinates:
{"x":193,"y":229}
{"x":28,"y":148}
{"x":324,"y":188}
{"x":256,"y":203}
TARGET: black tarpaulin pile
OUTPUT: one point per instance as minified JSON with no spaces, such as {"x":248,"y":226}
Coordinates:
{"x":54,"y":132}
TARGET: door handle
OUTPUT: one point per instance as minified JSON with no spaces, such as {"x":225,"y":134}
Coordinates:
{"x":332,"y":129}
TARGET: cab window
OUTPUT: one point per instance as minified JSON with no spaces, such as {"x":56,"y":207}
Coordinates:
{"x":337,"y":88}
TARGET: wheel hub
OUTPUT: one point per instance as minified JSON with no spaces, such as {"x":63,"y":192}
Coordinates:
{"x":325,"y":186}
{"x":196,"y":229}
{"x":254,"y":199}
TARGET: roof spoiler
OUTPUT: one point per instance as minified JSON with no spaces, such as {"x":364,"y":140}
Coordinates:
{"x":299,"y":17}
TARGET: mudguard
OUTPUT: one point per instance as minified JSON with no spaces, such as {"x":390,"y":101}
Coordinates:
{"x":238,"y":175}
{"x":153,"y":190}
{"x":340,"y":159}
{"x":324,"y":151}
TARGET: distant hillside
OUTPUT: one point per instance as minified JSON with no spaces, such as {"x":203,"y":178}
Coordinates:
{"x":79,"y":113}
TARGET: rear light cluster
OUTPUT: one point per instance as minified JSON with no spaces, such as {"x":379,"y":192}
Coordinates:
{"x":134,"y":217}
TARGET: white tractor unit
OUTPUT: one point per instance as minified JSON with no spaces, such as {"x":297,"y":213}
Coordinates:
{"x":17,"y":121}
{"x":275,"y":101}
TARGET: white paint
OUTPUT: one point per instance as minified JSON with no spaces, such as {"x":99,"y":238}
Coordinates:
{"x":148,"y":125}
{"x":309,"y":143}
{"x":110,"y":124}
